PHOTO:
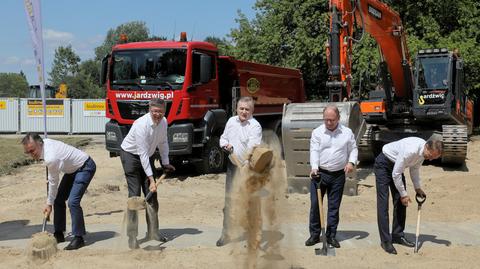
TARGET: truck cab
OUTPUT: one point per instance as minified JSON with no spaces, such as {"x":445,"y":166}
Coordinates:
{"x":200,"y":89}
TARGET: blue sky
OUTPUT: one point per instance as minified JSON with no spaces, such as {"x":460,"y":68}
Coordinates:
{"x":84,"y":24}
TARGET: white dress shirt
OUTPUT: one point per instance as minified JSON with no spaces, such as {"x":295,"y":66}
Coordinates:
{"x":144,"y":137}
{"x":407,"y":152}
{"x":243,"y":136}
{"x":60,"y":157}
{"x":332,"y":150}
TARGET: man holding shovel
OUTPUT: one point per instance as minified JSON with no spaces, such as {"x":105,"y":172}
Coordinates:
{"x":241,"y":134}
{"x":333,"y":152}
{"x":78,"y":170}
{"x":148,"y":133}
{"x":389,"y":166}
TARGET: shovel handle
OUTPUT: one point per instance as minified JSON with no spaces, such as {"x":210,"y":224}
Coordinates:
{"x":162,"y":177}
{"x":420,"y":199}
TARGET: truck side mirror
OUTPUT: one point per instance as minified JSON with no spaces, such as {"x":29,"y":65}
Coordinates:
{"x":103,"y":73}
{"x":205,"y":68}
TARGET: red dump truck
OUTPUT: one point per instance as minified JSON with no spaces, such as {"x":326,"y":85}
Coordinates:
{"x":201,"y":90}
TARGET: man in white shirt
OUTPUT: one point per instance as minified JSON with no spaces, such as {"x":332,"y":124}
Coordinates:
{"x":78,"y":170}
{"x":389,"y":166}
{"x":241,"y":134}
{"x":333,"y":152}
{"x":147,"y":133}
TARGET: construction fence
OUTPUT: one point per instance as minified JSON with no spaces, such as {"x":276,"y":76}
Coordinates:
{"x":64,"y":116}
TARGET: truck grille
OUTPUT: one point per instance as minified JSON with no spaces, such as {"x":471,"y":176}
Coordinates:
{"x":133,"y":110}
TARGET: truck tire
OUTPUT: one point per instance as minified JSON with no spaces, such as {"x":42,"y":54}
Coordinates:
{"x":214,"y":160}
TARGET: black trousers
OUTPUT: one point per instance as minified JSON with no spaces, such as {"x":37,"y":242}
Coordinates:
{"x":138,"y":182}
{"x":227,"y":215}
{"x":331,"y":183}
{"x":383,"y":178}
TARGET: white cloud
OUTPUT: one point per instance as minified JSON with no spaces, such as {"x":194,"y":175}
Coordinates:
{"x":57,"y":37}
{"x":11,"y":60}
{"x":14,"y":60}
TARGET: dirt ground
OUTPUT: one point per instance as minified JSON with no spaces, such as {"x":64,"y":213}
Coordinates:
{"x":191,"y":208}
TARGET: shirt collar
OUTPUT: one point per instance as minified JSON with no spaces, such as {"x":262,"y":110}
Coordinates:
{"x":422,"y":149}
{"x":337,"y":130}
{"x":244,"y":122}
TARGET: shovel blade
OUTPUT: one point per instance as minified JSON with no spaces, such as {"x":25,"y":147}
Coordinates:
{"x":326,"y":250}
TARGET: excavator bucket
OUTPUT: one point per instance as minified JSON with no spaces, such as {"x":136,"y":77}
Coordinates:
{"x":298,"y":122}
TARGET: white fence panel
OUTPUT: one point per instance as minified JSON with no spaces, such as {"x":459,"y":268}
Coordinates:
{"x":9,"y":115}
{"x":58,"y":115}
{"x":88,"y":116}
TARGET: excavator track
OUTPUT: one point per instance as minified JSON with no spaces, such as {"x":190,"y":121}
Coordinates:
{"x":365,"y":149}
{"x":455,"y":139}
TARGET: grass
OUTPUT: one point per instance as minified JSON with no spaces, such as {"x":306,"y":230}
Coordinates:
{"x":12,"y":156}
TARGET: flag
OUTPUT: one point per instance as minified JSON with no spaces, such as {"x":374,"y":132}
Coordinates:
{"x":34,"y":18}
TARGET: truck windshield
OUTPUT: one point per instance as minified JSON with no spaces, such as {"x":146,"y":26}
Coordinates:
{"x":164,"y":68}
{"x":433,"y":72}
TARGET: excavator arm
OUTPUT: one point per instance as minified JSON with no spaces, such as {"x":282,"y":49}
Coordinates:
{"x":385,"y":26}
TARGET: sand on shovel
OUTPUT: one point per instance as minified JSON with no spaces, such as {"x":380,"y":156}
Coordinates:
{"x":42,"y":246}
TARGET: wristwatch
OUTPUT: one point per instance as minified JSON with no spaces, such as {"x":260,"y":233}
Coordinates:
{"x":352,"y":164}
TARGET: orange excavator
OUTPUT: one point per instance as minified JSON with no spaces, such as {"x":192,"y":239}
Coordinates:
{"x":406,"y":101}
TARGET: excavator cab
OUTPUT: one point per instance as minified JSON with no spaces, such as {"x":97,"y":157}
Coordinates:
{"x":438,"y":86}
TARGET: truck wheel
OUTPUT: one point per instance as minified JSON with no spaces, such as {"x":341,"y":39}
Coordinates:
{"x":213,"y":158}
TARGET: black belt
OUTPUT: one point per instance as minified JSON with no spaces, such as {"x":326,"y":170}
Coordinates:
{"x":84,"y":164}
{"x":331,"y":172}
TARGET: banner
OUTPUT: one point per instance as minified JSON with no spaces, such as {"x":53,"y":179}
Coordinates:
{"x":34,"y":18}
{"x":94,"y":109}
{"x":55,"y":108}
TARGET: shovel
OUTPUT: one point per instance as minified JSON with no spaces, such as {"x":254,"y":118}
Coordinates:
{"x":420,"y":200}
{"x":46,"y":218}
{"x":325,"y":250}
{"x":137,"y":203}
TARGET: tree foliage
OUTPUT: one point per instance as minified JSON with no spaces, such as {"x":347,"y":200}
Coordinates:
{"x":134,"y":31}
{"x":293,"y":34}
{"x":13,"y":85}
{"x":65,"y":64}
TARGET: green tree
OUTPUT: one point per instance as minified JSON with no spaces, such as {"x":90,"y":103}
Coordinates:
{"x":83,"y":86}
{"x":13,"y":85}
{"x":65,"y":63}
{"x":293,"y":34}
{"x":287,"y":33}
{"x":223,"y":45}
{"x":134,"y":31}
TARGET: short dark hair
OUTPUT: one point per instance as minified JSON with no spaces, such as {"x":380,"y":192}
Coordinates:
{"x":32,"y":137}
{"x":157,"y":102}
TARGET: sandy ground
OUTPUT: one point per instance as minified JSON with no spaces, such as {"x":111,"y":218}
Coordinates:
{"x":191,"y":216}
